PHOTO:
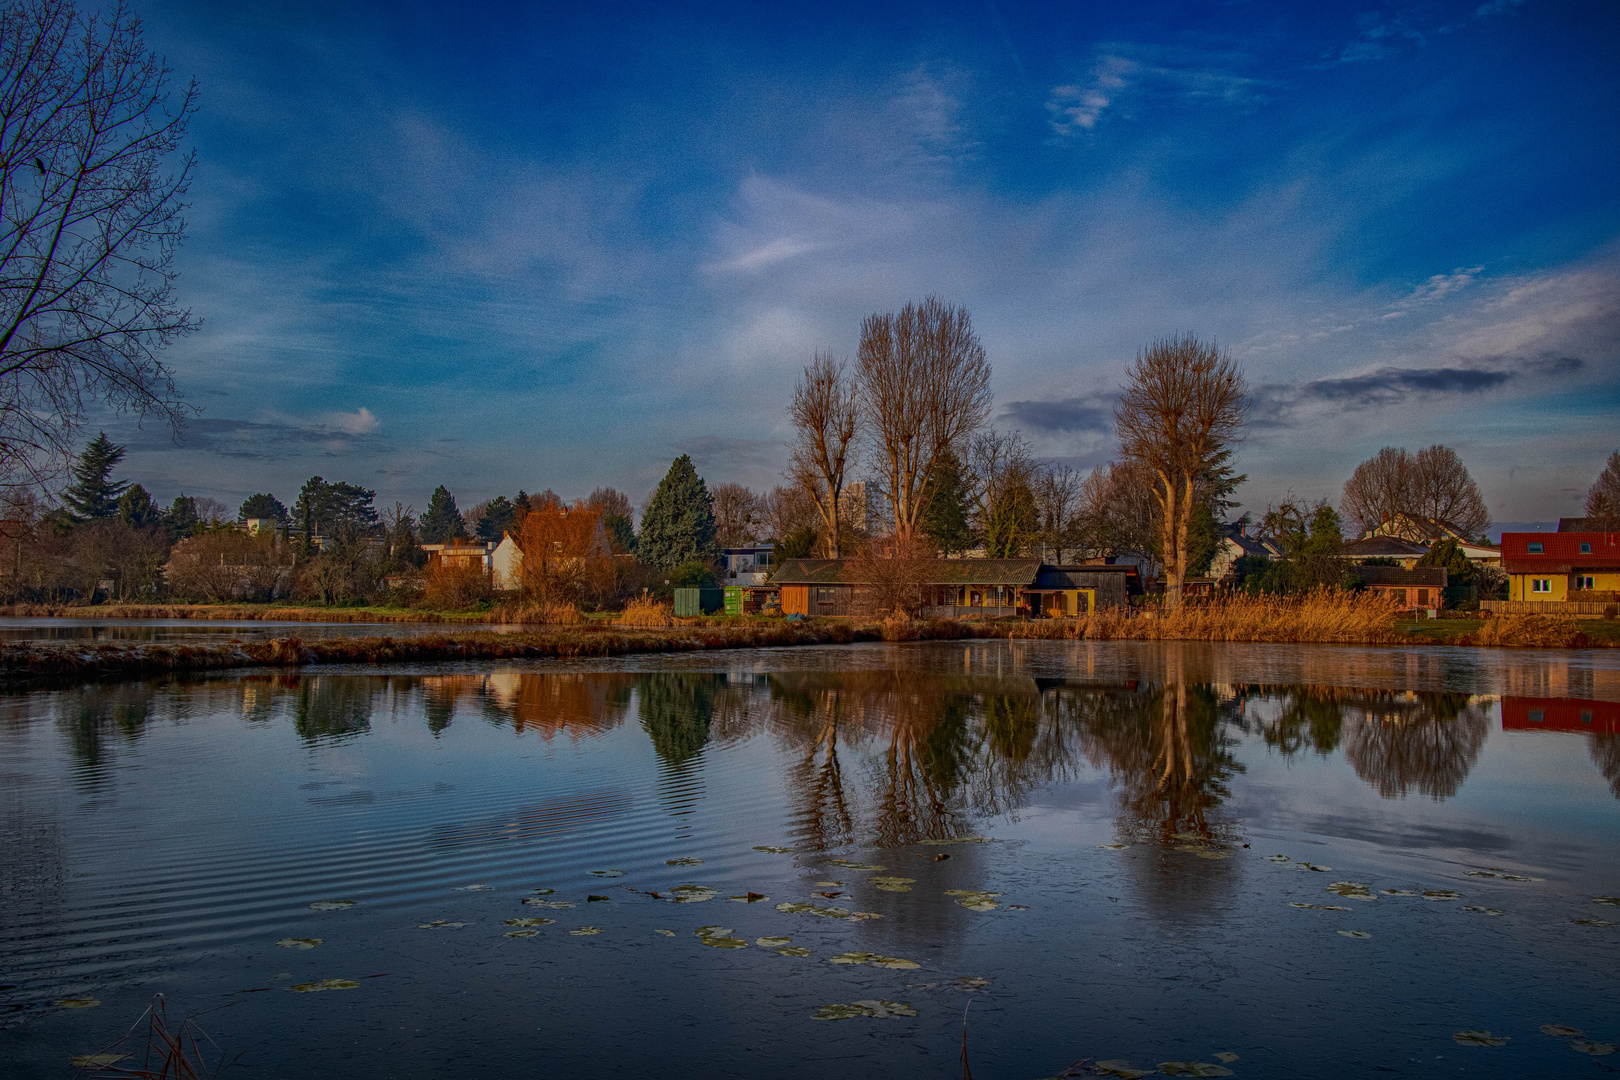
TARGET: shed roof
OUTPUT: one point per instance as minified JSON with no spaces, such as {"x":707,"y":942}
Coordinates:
{"x":1074,"y":577}
{"x":939,"y":572}
{"x":1384,"y":547}
{"x":1423,"y":577}
{"x":1560,"y":552}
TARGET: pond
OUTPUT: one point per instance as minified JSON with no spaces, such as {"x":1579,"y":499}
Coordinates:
{"x":1255,"y":861}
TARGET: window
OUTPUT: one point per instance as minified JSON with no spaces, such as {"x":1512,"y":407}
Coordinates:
{"x":1534,"y":547}
{"x":1584,"y":582}
{"x":1586,"y":716}
{"x":1586,"y":547}
{"x":1423,"y":597}
{"x":1543,"y":585}
{"x":1537,"y":715}
{"x":762,"y":559}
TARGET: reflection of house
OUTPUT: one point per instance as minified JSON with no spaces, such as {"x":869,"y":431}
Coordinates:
{"x":1416,"y":589}
{"x":1235,"y":543}
{"x":1562,"y":568}
{"x":959,"y":588}
{"x":1560,"y":714}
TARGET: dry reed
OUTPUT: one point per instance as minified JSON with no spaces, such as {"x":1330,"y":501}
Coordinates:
{"x":647,"y":614}
{"x":1527,"y":631}
{"x":1324,"y":616}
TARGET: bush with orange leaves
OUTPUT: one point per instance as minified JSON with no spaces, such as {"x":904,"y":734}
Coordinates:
{"x":566,"y":557}
{"x":454,"y":586}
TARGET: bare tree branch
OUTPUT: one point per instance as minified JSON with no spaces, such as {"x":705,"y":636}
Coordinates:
{"x":825,"y":414}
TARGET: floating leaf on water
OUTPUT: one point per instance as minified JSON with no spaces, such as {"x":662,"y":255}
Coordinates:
{"x":331,"y":905}
{"x":837,"y":1012}
{"x":883,"y":1009}
{"x":1279,"y":859}
{"x":476,"y":888}
{"x":1593,"y":922}
{"x":1397,"y":892}
{"x":719,"y":937}
{"x":851,"y":958}
{"x":1225,"y":1056}
{"x":893,"y":963}
{"x":1479,"y":1038}
{"x":1206,"y":854}
{"x":1312,"y":866}
{"x":972,"y":984}
{"x":543,"y":892}
{"x":892,"y":884}
{"x":685,"y":860}
{"x":1351,"y":890}
{"x":1334,"y":907}
{"x":1484,"y":910}
{"x":586,"y":931}
{"x":1295,"y":903}
{"x":1559,"y":1031}
{"x":1353,"y":933}
{"x":1121,"y":1067}
{"x":77,"y":1003}
{"x":607,"y":873}
{"x":829,"y":884}
{"x":440,"y":924}
{"x":324,"y":984}
{"x":592,"y":898}
{"x":1519,"y":877}
{"x":556,"y":905}
{"x":96,"y":1061}
{"x":773,"y":850}
{"x":793,"y":950}
{"x":1587,"y":1046}
{"x":528,"y":922}
{"x":666,"y":933}
{"x":691,"y":894}
{"x":1017,"y":907}
{"x":1193,"y":1068}
{"x":1441,"y":894}
{"x":974,"y":900}
{"x":802,"y":908}
{"x":778,"y":942}
{"x":1114,"y":847}
{"x":1478,"y":873}
{"x":750,"y":897}
{"x":846,"y":864}
{"x":1615,"y":900}
{"x":520,"y":933}
{"x":299,"y":942}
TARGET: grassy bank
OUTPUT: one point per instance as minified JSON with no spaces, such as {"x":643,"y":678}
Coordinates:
{"x":251,"y":613}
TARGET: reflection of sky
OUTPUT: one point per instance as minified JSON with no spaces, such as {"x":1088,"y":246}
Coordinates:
{"x":507,"y":246}
{"x":202,"y":832}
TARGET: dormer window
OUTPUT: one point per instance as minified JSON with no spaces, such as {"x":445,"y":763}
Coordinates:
{"x":1586,"y":547}
{"x":1534,"y":547}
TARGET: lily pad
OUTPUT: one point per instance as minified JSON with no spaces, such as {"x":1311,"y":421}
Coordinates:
{"x":586,"y":931}
{"x":974,"y":900}
{"x":77,"y":1003}
{"x":299,"y":942}
{"x":96,"y":1061}
{"x":838,"y":1012}
{"x":691,"y":894}
{"x":1396,"y":892}
{"x":1278,"y":859}
{"x":543,"y":892}
{"x":1312,"y":866}
{"x":1351,"y":890}
{"x":521,"y":933}
{"x":769,"y":850}
{"x":1587,"y":1046}
{"x":685,"y":860}
{"x":607,"y":873}
{"x":1561,"y":1032}
{"x":1615,"y":900}
{"x":773,"y":942}
{"x":1441,"y":895}
{"x":972,"y":984}
{"x":1482,"y":910}
{"x":592,"y":898}
{"x":720,"y":937}
{"x":1226,"y":1057}
{"x":892,"y":884}
{"x":1333,"y":907}
{"x":555,"y":905}
{"x":803,"y":908}
{"x":1193,"y":1068}
{"x":877,"y":1007}
{"x":750,"y":897}
{"x":665,"y":933}
{"x":1296,"y":903}
{"x":324,"y":984}
{"x":528,"y":922}
{"x":476,"y":888}
{"x":1113,"y":847}
{"x":1593,"y":922}
{"x":828,"y":884}
{"x":1123,"y":1068}
{"x":440,"y":924}
{"x":893,"y":963}
{"x":1479,"y":1038}
{"x":846,"y":864}
{"x":793,"y":950}
{"x":1353,"y":933}
{"x":331,"y":905}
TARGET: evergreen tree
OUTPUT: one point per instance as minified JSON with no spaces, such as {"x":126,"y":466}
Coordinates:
{"x":945,"y":520}
{"x":183,"y":516}
{"x":678,"y":525}
{"x":442,"y":521}
{"x":498,"y":517}
{"x":339,"y":510}
{"x":136,"y":508}
{"x":93,"y":494}
{"x":1449,"y":554}
{"x":262,"y":506}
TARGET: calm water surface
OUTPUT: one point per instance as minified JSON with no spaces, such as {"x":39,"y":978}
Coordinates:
{"x":1105,"y":851}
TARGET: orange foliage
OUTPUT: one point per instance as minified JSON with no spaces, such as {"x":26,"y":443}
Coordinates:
{"x":565,"y":553}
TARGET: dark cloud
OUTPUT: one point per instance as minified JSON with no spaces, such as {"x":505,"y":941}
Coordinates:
{"x":1069,"y":415}
{"x":250,"y":439}
{"x":729,"y":455}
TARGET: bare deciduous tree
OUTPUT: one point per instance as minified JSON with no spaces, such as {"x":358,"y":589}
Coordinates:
{"x":1184,"y":405}
{"x":90,"y":218}
{"x":1603,"y":500}
{"x":826,"y":417}
{"x":1406,"y":491}
{"x":736,"y":515}
{"x":1117,"y":514}
{"x":1003,"y":471}
{"x":923,"y":385}
{"x":1057,"y":498}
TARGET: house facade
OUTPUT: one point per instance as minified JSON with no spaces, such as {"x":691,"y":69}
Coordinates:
{"x":1562,"y":567}
{"x":1420,"y":589}
{"x":961,"y":588}
{"x":1236,"y":543}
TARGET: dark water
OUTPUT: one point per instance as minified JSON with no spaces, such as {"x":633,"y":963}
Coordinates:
{"x":1146,"y":814}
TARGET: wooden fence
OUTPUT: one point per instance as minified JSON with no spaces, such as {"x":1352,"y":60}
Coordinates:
{"x":1569,"y":609}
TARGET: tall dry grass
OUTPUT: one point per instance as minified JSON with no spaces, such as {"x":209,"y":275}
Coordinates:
{"x":1527,"y":631}
{"x":647,"y":614}
{"x":1323,"y":616}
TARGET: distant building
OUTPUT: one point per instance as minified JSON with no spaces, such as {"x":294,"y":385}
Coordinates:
{"x":855,"y":507}
{"x":506,"y":564}
{"x":461,"y":553}
{"x":963,"y":588}
{"x":1562,"y":567}
{"x":747,"y":565}
{"x":1404,"y":552}
{"x":1419,"y":589}
{"x":1235,"y":543}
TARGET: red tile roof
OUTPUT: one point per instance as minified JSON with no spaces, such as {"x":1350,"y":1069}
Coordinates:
{"x":1560,"y":552}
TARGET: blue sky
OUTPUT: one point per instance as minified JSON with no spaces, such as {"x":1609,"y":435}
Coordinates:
{"x":502,"y":247}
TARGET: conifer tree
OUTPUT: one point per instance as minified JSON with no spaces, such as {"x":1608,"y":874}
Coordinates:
{"x":443,"y":521}
{"x":136,"y":507}
{"x":93,"y":494}
{"x":678,"y":525}
{"x":945,"y":521}
{"x":262,"y":506}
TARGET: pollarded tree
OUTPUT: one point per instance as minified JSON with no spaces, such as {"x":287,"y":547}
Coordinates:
{"x":442,"y":522}
{"x":1603,"y":501}
{"x":1184,"y":406}
{"x":678,"y":524}
{"x":94,"y":494}
{"x":825,"y":414}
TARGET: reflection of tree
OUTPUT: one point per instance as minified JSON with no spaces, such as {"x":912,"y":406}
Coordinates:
{"x":676,"y":711}
{"x":823,"y":816}
{"x":1426,"y":742}
{"x":1605,"y":751}
{"x":89,"y":714}
{"x":1312,"y":718}
{"x":334,"y":706}
{"x":580,"y":704}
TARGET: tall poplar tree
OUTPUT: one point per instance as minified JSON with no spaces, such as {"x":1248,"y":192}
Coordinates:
{"x":678,"y":524}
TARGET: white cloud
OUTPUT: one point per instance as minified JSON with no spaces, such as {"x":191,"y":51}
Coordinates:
{"x":359,"y":422}
{"x":1117,"y":80}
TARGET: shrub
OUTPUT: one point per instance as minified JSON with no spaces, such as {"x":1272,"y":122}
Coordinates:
{"x":453,"y":588}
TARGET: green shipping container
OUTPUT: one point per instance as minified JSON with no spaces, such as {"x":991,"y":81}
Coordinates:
{"x":734,"y":599}
{"x":689,"y":602}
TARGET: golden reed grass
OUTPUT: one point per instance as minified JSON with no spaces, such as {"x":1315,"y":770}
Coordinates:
{"x":1527,"y":631}
{"x":647,"y":614}
{"x":1325,"y":616}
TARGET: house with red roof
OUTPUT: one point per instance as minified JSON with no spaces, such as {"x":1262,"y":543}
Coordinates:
{"x":1562,"y":567}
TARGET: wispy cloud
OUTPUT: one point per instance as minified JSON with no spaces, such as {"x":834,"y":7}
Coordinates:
{"x":1118,"y":80}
